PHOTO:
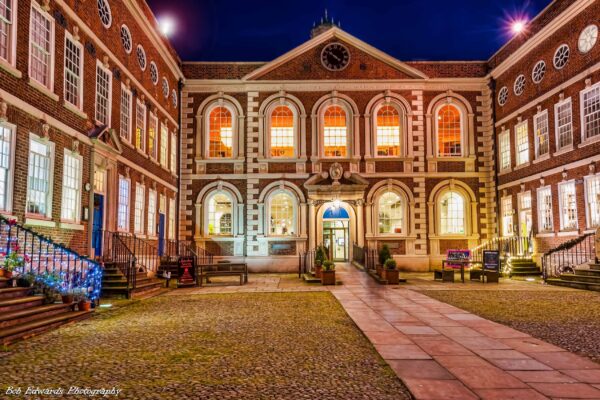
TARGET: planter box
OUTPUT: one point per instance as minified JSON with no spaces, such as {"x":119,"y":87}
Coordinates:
{"x":318,"y":270}
{"x":379,"y":270}
{"x":392,"y":276}
{"x":328,"y":277}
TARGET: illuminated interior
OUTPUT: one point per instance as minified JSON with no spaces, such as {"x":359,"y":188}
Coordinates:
{"x":391,"y":213}
{"x":449,"y":131}
{"x":221,"y":133}
{"x":452,"y":214}
{"x":335,"y":132}
{"x":388,"y":132}
{"x":219,"y":215}
{"x":282,"y":132}
{"x":282,"y":215}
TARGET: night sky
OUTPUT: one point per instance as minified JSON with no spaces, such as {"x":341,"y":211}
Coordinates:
{"x":261,"y":30}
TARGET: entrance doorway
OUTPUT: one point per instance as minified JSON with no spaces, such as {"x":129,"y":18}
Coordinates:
{"x":98,"y":226}
{"x":336,"y":234}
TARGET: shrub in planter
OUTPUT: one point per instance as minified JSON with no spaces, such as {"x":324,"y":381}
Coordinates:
{"x":392,"y":275}
{"x":49,"y":286}
{"x":25,"y":280}
{"x":384,"y":255}
{"x":83,"y":301}
{"x":320,"y":258}
{"x":67,"y":296}
{"x":328,"y":273}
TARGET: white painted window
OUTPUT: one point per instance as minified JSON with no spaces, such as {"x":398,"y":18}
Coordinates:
{"x":519,"y":86}
{"x":153,"y":73}
{"x":99,"y":181}
{"x":164,"y":145}
{"x":126,"y":39}
{"x":522,"y":143}
{"x":525,"y":214}
{"x":7,"y":155}
{"x":335,"y":132}
{"x":71,"y":195}
{"x":151,"y":213}
{"x":140,"y":126}
{"x":282,"y":214}
{"x":103,"y":94}
{"x":391,"y":210}
{"x":452,"y":214}
{"x":592,"y":197}
{"x":173,"y":153}
{"x":123,"y":209}
{"x":104,"y":13}
{"x":8,"y":30}
{"x":545,"y":218}
{"x":590,"y":112}
{"x":568,"y":205}
{"x":165,"y":87}
{"x":539,"y":71}
{"x":504,"y":144}
{"x":561,"y":56}
{"x":39,"y":177}
{"x":542,"y":137}
{"x":41,"y":47}
{"x":126,"y":113}
{"x":141,"y":57}
{"x":449,"y":123}
{"x":506,"y":208}
{"x":503,"y":96}
{"x":563,"y":112}
{"x":140,"y":202}
{"x":220,"y":214}
{"x":282,"y":132}
{"x":73,"y":71}
{"x":172,"y":211}
{"x":152,"y":132}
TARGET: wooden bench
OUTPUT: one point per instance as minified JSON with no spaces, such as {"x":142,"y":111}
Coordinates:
{"x":446,"y":274}
{"x":207,"y":271}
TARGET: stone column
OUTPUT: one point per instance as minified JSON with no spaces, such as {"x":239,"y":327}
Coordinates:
{"x":360,"y":229}
{"x":312,"y":228}
{"x":198,"y":227}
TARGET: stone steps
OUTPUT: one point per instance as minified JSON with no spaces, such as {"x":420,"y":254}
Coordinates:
{"x":20,"y":303}
{"x":524,"y":268}
{"x":574,"y":284}
{"x":26,"y":330}
{"x":11,"y":293}
{"x":33,"y":313}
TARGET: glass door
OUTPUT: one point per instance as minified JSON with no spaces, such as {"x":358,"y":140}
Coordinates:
{"x":335,"y":239}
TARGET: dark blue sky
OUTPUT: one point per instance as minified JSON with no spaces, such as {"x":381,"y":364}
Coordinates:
{"x":261,"y":30}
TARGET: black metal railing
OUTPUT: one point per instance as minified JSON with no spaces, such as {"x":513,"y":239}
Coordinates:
{"x":566,"y":257}
{"x":185,"y":248}
{"x":146,"y":254}
{"x":371,"y":258}
{"x":306,"y":262}
{"x":41,"y":255}
{"x":515,"y":246}
{"x":358,"y":254}
{"x":124,"y":259}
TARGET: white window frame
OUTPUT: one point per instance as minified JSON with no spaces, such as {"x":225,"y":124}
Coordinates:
{"x":349,"y":130}
{"x":107,"y":71}
{"x":152,"y":213}
{"x":269,"y":124}
{"x":52,"y":51}
{"x":507,"y":214}
{"x":173,"y":153}
{"x":504,"y":147}
{"x":466,"y":215}
{"x":561,"y":185}
{"x":521,"y":210}
{"x":139,"y":212}
{"x":127,"y":206}
{"x":519,"y":161}
{"x":589,"y":218}
{"x":291,"y":195}
{"x":582,"y":110}
{"x":49,"y":195}
{"x":126,"y":114}
{"x":557,"y":122}
{"x":164,"y":145}
{"x":79,"y":46}
{"x":10,"y":173}
{"x":144,"y":124}
{"x":401,"y":128}
{"x":172,"y":219}
{"x":463,"y":131}
{"x":541,"y":208}
{"x":11,"y":50}
{"x":234,"y":128}
{"x":234,"y":213}
{"x":77,"y":205}
{"x":536,"y":123}
{"x":153,"y":152}
{"x":404,"y":228}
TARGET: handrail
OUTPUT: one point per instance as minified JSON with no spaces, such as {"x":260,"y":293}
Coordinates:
{"x":177,"y":248}
{"x":146,"y":255}
{"x":42,"y":255}
{"x":515,"y":246}
{"x":124,"y":260}
{"x":565,"y":257}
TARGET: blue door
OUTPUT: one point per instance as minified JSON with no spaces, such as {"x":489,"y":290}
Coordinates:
{"x":98,"y":226}
{"x":161,"y":234}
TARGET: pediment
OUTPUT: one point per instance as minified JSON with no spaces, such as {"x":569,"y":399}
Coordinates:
{"x":106,"y":138}
{"x":304,"y":62}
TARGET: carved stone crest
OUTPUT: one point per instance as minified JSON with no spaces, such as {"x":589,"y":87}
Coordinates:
{"x":336,"y":172}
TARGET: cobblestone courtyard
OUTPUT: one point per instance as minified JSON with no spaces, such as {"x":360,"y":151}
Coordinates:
{"x":213,"y":346}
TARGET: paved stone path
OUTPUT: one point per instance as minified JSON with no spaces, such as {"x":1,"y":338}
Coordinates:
{"x":443,"y":352}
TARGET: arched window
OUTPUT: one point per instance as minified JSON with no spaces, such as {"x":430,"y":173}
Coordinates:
{"x":282,"y":132}
{"x":449,"y":131}
{"x":335,"y":132}
{"x":391,"y":214}
{"x":282,"y":214}
{"x":388,"y":132}
{"x":220,"y":214}
{"x":452,"y":214}
{"x":220,"y":133}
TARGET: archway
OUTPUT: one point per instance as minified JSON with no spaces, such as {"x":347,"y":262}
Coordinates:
{"x":336,"y":226}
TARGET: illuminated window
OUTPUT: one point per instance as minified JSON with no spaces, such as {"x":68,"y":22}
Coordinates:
{"x":39,"y":190}
{"x":335,"y":131}
{"x":71,"y":195}
{"x":173,"y":153}
{"x":99,"y":179}
{"x":452,"y":214}
{"x":126,"y":103}
{"x":103,"y":94}
{"x":391,"y":214}
{"x":449,"y":131}
{"x":564,"y":124}
{"x":282,"y":132}
{"x":504,"y":144}
{"x":220,"y":133}
{"x":540,"y":127}
{"x":7,"y":31}
{"x":220,"y":212}
{"x":590,"y":111}
{"x":140,"y":202}
{"x":164,"y":145}
{"x":140,"y":126}
{"x":506,"y":208}
{"x":522,"y":140}
{"x":152,"y":139}
{"x":545,"y":219}
{"x":172,"y":210}
{"x":568,"y":205}
{"x":592,"y":194}
{"x":281,"y":215}
{"x":388,"y":132}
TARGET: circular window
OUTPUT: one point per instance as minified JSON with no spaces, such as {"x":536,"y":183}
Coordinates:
{"x":165,"y":87}
{"x":519,"y":85}
{"x":126,"y":39}
{"x":561,"y":57}
{"x":141,"y":56}
{"x":588,"y":38}
{"x":539,"y":71}
{"x":174,"y":98}
{"x":153,"y":73}
{"x":104,"y":13}
{"x":503,"y":96}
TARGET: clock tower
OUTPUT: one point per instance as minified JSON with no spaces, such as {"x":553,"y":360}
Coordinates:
{"x":325,"y":24}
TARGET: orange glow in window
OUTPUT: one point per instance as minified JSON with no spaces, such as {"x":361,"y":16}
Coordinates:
{"x":388,"y":132}
{"x":221,"y":133}
{"x":282,"y":132}
{"x":449,"y":132}
{"x":335,"y":132}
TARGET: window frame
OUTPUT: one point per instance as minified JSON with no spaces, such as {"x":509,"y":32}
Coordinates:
{"x":557,"y":126}
{"x":234,"y":130}
{"x":164,"y":146}
{"x":10,"y":175}
{"x":52,"y":49}
{"x":505,"y":134}
{"x":127,"y":227}
{"x":269,"y":118}
{"x":561,"y":185}
{"x":108,"y":72}
{"x":151,"y":214}
{"x":402,"y":131}
{"x":349,"y":130}
{"x":77,"y":206}
{"x":466,"y":214}
{"x":172,"y":219}
{"x":69,"y":38}
{"x":436,"y":128}
{"x":405,"y":215}
{"x":153,"y":152}
{"x":536,"y":123}
{"x":295,"y":213}
{"x":507,"y":216}
{"x":173,"y":153}
{"x":138,"y":224}
{"x":11,"y":50}
{"x":206,"y":213}
{"x":125,"y":91}
{"x":518,"y":161}
{"x":583,"y":129}
{"x":588,"y":213}
{"x":141,"y":146}
{"x":50,"y":194}
{"x":540,"y":209}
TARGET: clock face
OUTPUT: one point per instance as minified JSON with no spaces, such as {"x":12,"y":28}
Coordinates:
{"x":588,"y":38}
{"x":335,"y":57}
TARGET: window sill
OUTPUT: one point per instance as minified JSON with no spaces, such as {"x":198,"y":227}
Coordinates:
{"x":591,"y":230}
{"x":587,"y":142}
{"x":9,"y":216}
{"x":71,"y":226}
{"x":75,"y":110}
{"x":141,"y":152}
{"x":505,"y":171}
{"x":8,"y":67}
{"x":46,"y":223}
{"x":457,"y":159}
{"x":543,"y":158}
{"x":165,"y":168}
{"x":127,"y":143}
{"x":43,"y":89}
{"x":336,"y":159}
{"x":568,"y":233}
{"x":563,"y":150}
{"x":545,"y":235}
{"x":281,"y":160}
{"x":521,"y":166}
{"x":395,"y":158}
{"x":220,"y":160}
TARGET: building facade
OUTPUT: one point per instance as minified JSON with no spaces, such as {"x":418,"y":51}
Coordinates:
{"x":90,"y":121}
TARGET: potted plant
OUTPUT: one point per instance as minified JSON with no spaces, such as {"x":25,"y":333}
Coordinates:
{"x":384,"y":255}
{"x":392,"y":275}
{"x":67,"y":296}
{"x":48,"y":284}
{"x":26,"y":280}
{"x":328,"y":273}
{"x":83,"y":301}
{"x":320,"y":258}
{"x":12,"y":261}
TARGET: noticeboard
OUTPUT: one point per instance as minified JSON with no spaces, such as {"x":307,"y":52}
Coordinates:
{"x":491,"y":260}
{"x":457,"y":255}
{"x":187,"y":271}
